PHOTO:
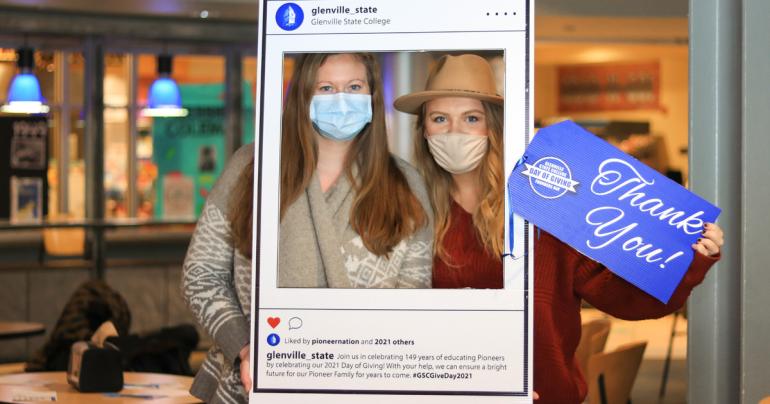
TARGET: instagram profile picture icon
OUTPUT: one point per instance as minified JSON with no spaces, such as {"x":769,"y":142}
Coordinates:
{"x":273,"y":339}
{"x":289,"y":16}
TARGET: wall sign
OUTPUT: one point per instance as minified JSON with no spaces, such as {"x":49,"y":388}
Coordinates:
{"x":609,"y":87}
{"x":23,"y":168}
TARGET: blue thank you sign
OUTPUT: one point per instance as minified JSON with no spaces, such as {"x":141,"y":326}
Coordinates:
{"x":609,"y":206}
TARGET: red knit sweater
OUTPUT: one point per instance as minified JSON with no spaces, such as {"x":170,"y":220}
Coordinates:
{"x":563,"y":277}
{"x":472,"y":266}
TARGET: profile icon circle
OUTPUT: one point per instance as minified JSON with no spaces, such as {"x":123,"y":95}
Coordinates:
{"x":273,"y":339}
{"x":289,"y":16}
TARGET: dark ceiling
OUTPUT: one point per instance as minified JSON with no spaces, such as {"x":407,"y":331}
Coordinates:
{"x":246,"y":10}
{"x":243,"y":10}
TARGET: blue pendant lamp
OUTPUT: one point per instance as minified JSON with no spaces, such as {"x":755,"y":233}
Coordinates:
{"x":164,"y":99}
{"x":24,"y":96}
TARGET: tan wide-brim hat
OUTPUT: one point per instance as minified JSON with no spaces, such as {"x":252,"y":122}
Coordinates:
{"x":458,"y":76}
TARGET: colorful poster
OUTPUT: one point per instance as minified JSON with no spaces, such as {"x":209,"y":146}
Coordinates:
{"x":26,"y":200}
{"x":609,"y":87}
{"x":24,"y":155}
{"x":178,"y":196}
{"x":339,"y":344}
{"x":194,"y":145}
{"x":28,"y":145}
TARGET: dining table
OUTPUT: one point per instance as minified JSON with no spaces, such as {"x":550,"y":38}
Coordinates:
{"x":138,"y":387}
{"x":20,"y":329}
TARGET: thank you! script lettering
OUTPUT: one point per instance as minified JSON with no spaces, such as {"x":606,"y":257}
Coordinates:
{"x":610,"y":207}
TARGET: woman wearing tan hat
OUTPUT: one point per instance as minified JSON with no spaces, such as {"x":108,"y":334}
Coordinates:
{"x":460,"y":118}
{"x":458,"y":148}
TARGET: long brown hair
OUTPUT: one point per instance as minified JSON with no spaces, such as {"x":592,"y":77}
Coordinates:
{"x":240,"y":207}
{"x":384,"y":209}
{"x":488,"y":219}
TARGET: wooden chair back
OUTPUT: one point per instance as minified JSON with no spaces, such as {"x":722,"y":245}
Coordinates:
{"x":593,"y":338}
{"x":611,"y":375}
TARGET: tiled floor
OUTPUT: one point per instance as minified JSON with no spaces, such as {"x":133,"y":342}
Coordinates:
{"x":647,"y":385}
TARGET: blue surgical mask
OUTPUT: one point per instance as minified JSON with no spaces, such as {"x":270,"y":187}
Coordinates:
{"x":340,"y":116}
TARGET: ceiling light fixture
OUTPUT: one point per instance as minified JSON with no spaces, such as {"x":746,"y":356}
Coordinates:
{"x":164,"y":99}
{"x":24,"y":95}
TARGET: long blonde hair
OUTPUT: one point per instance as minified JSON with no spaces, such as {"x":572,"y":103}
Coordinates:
{"x":488,"y":220}
{"x":384,"y":209}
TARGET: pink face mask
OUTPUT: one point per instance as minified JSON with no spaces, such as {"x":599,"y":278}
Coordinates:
{"x":458,"y":153}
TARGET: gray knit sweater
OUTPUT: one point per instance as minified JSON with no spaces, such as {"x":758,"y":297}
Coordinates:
{"x":217,"y":279}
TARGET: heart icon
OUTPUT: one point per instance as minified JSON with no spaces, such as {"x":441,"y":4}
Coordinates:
{"x":274,"y":321}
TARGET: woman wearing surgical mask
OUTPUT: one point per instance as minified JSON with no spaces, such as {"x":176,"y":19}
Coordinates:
{"x":458,"y":148}
{"x":351,"y":215}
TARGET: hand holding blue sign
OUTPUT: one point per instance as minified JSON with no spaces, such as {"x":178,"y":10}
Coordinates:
{"x":712,"y":241}
{"x":613,"y":208}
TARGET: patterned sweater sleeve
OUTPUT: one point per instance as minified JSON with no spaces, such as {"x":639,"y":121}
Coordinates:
{"x":417,"y":267}
{"x":207,"y":280}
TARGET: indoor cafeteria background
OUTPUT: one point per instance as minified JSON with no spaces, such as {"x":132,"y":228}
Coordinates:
{"x":120,"y":189}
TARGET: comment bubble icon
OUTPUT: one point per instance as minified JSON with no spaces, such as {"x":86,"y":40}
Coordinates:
{"x":295,"y":323}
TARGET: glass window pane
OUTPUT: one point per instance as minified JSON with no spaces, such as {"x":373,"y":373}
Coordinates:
{"x":116,"y":134}
{"x":249,"y":71}
{"x":76,"y":78}
{"x":116,"y":80}
{"x":116,"y":162}
{"x":44,"y":70}
{"x":68,"y":116}
{"x":177,"y":169}
{"x":7,"y":70}
{"x":75,"y":176}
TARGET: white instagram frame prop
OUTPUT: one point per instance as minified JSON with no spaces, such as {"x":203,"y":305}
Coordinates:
{"x":410,"y":345}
